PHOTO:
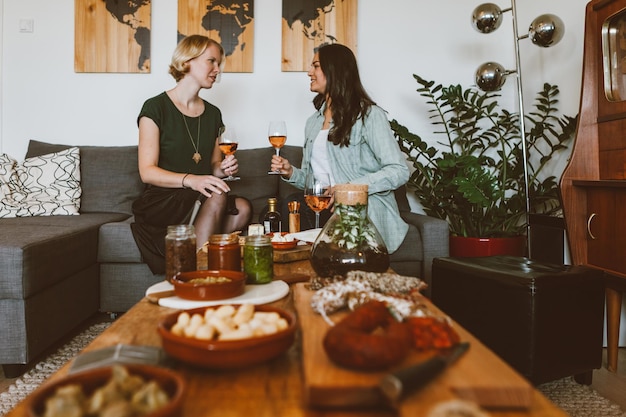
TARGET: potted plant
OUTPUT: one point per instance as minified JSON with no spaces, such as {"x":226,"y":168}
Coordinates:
{"x":475,"y":177}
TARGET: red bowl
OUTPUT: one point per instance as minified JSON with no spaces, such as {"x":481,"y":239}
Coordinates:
{"x":283,"y":245}
{"x":171,"y":382}
{"x":227,"y":354}
{"x":205,"y":291}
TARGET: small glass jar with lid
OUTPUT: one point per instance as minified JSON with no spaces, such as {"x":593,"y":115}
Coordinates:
{"x":180,"y":250}
{"x":258,"y":259}
{"x":224,"y":252}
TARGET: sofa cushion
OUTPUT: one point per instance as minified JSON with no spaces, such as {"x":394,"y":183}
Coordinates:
{"x":255,"y":184}
{"x":117,"y":244}
{"x":109,"y":175}
{"x":37,"y":252}
{"x":43,"y":185}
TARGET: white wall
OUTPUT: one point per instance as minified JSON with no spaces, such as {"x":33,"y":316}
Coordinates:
{"x":43,"y":98}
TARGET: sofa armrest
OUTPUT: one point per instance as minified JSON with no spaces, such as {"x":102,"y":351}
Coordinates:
{"x":435,"y":240}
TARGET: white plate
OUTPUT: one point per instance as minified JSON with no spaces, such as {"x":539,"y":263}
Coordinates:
{"x":307,"y":235}
{"x":253,"y":294}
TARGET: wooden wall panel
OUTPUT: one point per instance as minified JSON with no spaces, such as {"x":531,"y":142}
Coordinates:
{"x":112,"y":36}
{"x":232,"y":26}
{"x":305,"y":26}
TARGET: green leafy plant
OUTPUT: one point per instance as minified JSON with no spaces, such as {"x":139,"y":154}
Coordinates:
{"x":353,"y":230}
{"x":475,"y":178}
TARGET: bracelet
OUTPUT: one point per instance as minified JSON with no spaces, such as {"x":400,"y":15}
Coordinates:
{"x":183,"y":180}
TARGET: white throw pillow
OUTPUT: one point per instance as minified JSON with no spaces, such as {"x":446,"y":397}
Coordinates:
{"x":41,"y":186}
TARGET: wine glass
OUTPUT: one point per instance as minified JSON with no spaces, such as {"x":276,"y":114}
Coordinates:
{"x":228,"y":144}
{"x":317,"y":193}
{"x":277,"y":133}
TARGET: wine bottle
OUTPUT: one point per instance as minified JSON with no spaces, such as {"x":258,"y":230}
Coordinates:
{"x":271,"y":220}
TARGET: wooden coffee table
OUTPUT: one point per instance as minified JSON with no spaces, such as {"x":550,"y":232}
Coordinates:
{"x":282,"y":386}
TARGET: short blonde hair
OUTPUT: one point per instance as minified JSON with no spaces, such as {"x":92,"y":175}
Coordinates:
{"x":188,"y":48}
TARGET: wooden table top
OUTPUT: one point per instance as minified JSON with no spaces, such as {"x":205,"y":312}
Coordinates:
{"x":277,"y":387}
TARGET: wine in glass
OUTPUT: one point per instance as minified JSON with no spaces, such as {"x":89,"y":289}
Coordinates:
{"x":228,"y":144}
{"x":277,"y":134}
{"x":317,"y":193}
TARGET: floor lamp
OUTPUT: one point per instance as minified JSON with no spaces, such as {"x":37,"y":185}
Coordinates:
{"x":545,"y":30}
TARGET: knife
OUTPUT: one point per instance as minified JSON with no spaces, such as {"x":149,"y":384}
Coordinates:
{"x":400,"y":383}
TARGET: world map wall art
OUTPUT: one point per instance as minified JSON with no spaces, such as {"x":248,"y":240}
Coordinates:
{"x":309,"y":23}
{"x":112,"y":36}
{"x":230,"y":22}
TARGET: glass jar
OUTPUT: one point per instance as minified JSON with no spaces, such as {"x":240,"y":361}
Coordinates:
{"x":258,"y":259}
{"x":349,"y":240}
{"x":180,"y":250}
{"x":224,"y":253}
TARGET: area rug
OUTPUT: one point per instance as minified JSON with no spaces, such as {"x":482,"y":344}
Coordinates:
{"x":27,"y":383}
{"x":579,"y":400}
{"x":575,"y":399}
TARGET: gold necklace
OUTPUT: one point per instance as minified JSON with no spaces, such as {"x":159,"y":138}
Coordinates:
{"x":196,"y":156}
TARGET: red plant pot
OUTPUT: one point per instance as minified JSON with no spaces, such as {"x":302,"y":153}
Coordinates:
{"x":477,"y":246}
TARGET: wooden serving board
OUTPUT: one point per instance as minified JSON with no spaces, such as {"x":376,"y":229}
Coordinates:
{"x":478,"y":376}
{"x":298,"y":253}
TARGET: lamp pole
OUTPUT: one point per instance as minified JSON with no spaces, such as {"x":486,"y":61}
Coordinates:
{"x":522,"y":121}
{"x":546,"y":30}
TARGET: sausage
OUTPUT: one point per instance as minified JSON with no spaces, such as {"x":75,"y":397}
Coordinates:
{"x":357,"y":343}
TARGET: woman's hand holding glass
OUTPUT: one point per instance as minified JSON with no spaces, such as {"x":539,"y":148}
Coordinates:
{"x":281,"y":165}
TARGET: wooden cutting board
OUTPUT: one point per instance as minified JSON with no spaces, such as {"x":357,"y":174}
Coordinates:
{"x":298,"y":253}
{"x":479,"y":376}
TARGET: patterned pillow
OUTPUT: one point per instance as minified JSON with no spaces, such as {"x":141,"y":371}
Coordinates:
{"x":41,"y":186}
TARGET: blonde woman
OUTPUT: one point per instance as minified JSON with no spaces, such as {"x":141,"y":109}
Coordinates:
{"x":179,"y":160}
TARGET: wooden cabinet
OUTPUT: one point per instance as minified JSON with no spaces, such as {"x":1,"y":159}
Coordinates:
{"x":593,"y":186}
{"x":606,"y":227}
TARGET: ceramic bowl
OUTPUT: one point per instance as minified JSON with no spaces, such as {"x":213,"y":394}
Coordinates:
{"x":283,"y":245}
{"x":231,"y":354}
{"x":209,"y":291}
{"x":171,"y":382}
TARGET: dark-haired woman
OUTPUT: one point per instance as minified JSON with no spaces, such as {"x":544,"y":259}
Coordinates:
{"x":349,"y":137}
{"x":179,"y":159}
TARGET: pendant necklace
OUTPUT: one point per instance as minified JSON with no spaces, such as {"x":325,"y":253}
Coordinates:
{"x":196,"y":156}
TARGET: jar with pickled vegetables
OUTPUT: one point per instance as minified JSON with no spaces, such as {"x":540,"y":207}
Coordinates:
{"x":258,"y":259}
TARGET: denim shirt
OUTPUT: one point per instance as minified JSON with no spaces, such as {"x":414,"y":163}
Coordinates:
{"x":373,"y":157}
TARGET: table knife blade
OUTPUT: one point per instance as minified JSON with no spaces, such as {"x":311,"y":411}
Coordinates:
{"x":398,"y":384}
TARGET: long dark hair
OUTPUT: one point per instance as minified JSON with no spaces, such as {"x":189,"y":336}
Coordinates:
{"x":343,"y":86}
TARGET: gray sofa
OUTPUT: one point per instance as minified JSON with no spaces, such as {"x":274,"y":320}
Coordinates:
{"x":57,"y":271}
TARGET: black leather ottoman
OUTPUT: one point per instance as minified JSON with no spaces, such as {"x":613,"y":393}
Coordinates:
{"x":544,"y":320}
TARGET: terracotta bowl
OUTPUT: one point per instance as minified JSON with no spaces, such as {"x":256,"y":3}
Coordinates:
{"x":231,"y":354}
{"x":205,"y":291}
{"x":92,"y":379}
{"x":283,"y":245}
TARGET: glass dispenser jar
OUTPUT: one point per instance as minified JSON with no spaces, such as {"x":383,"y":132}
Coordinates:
{"x":180,"y":250}
{"x":349,"y":240}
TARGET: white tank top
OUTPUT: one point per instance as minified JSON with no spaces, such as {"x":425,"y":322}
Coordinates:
{"x":319,"y":157}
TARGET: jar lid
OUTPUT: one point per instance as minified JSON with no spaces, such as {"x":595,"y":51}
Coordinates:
{"x":180,"y":229}
{"x":258,"y":240}
{"x":350,"y":194}
{"x":223,"y":239}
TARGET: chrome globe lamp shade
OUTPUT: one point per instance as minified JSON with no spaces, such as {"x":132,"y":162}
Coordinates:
{"x":487,"y":17}
{"x":490,"y":76}
{"x":544,"y":31}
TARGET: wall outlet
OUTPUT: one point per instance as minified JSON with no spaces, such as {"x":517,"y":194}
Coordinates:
{"x":27,"y":25}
